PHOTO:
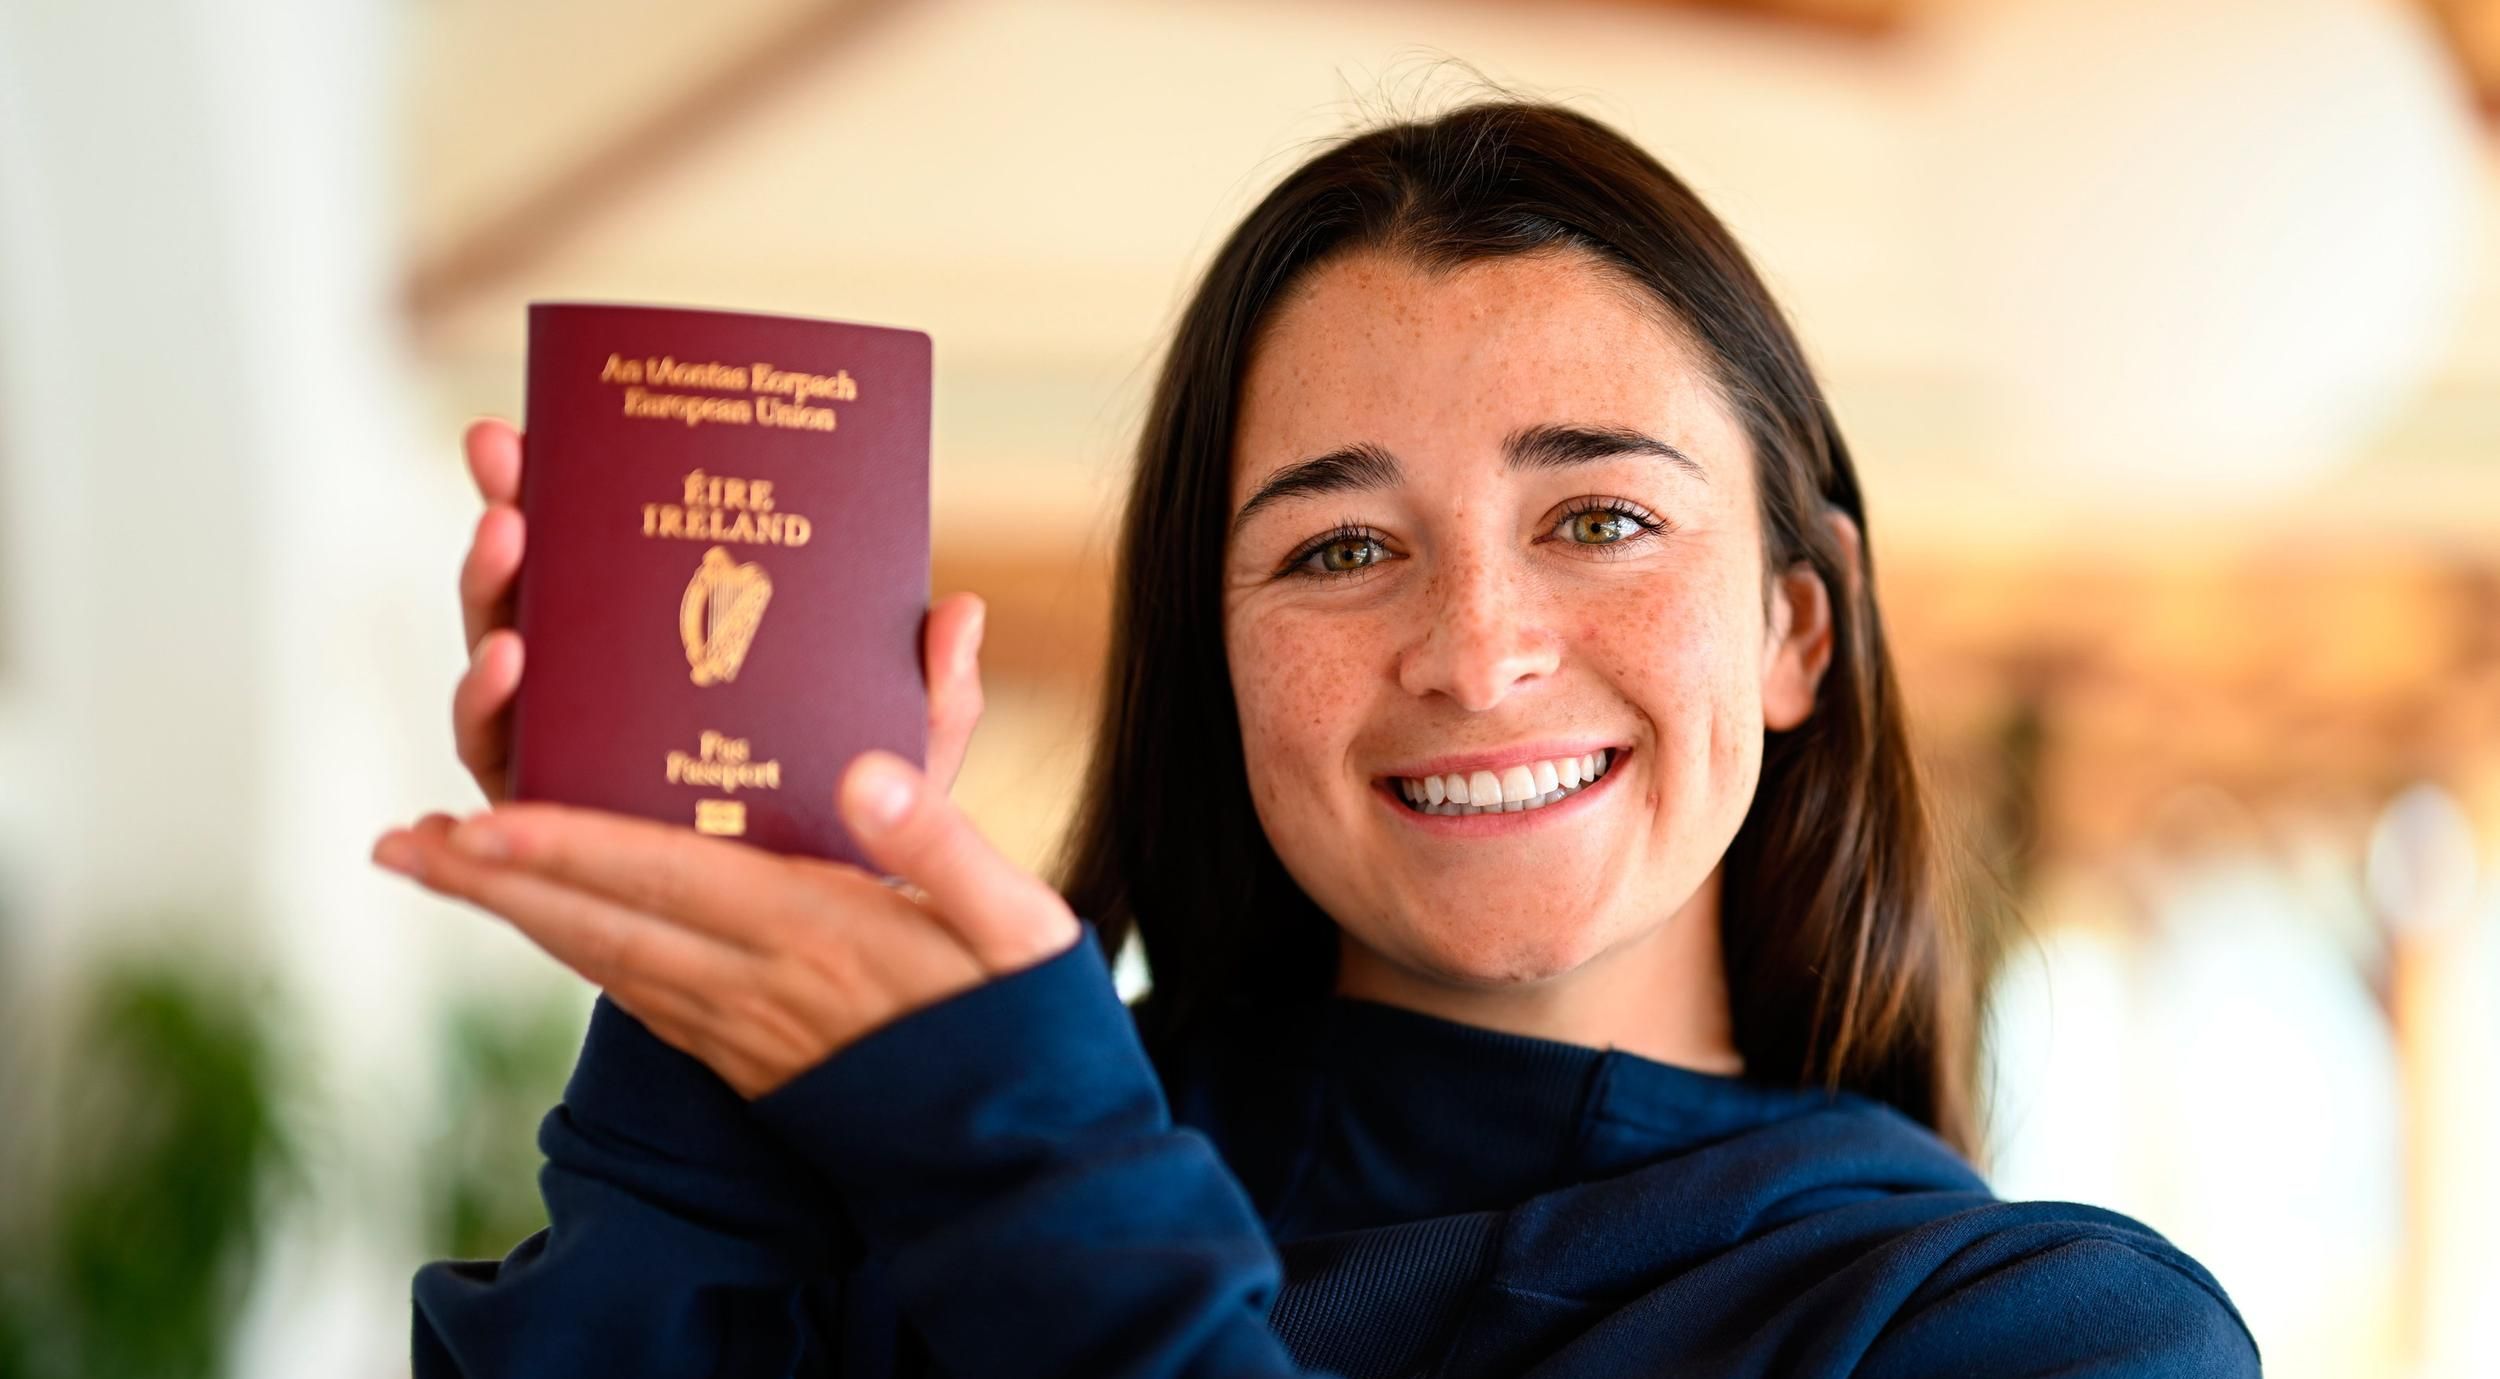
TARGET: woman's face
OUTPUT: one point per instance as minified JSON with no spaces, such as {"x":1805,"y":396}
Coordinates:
{"x":1458,"y":578}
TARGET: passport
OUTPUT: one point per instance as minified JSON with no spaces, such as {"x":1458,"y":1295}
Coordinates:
{"x":726,"y":567}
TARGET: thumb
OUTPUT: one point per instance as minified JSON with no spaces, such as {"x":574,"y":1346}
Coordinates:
{"x":1006,"y":915}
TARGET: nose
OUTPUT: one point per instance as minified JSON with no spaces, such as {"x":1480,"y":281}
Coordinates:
{"x":1484,"y":634}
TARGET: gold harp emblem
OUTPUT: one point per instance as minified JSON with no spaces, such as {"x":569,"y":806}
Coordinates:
{"x":717,"y":618}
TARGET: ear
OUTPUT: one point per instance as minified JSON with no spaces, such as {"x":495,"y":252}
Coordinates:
{"x":1799,"y":647}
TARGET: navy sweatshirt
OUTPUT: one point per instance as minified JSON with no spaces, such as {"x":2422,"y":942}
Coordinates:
{"x":1006,"y":1183}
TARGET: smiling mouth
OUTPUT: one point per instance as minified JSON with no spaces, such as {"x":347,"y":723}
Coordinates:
{"x":1513,"y":792}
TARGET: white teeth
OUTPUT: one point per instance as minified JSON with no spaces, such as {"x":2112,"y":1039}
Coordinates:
{"x":1518,"y":783}
{"x":1529,"y":785}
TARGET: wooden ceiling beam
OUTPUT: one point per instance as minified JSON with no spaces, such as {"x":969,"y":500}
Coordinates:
{"x":668,"y":135}
{"x":2472,"y":28}
{"x":1865,"y":18}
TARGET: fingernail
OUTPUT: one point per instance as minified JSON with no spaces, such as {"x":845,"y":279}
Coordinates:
{"x":479,"y":836}
{"x":394,"y":852}
{"x":972,"y":639}
{"x":880,"y":791}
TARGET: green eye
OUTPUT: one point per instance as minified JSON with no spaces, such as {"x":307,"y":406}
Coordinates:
{"x":1609,"y":523}
{"x":1599,"y":527}
{"x":1341,"y":552}
{"x":1353,"y":546}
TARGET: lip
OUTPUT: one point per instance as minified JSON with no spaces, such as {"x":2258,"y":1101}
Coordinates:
{"x":1500,"y":757}
{"x":1497,"y":825}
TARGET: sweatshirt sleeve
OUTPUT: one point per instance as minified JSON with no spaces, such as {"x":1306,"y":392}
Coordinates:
{"x":2078,"y":1301}
{"x":680,"y":1237}
{"x":1011,"y":1153}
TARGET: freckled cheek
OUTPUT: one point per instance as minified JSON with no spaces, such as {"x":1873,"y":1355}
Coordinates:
{"x":1298,"y":688}
{"x":1681,"y":665}
{"x":1649,"y":643}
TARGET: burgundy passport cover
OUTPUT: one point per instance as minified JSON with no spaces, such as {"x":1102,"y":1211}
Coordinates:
{"x":726,"y":565}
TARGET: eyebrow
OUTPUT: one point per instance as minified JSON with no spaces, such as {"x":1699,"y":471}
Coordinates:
{"x":1367,"y":466}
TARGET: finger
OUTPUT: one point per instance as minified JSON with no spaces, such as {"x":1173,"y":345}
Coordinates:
{"x":1007,"y":916}
{"x":486,"y":574}
{"x":738,"y":894}
{"x":493,"y":448}
{"x":610,"y":944}
{"x":951,"y":665}
{"x":480,"y":727}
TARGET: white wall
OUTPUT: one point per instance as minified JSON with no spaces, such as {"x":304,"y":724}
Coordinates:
{"x":227,"y":633}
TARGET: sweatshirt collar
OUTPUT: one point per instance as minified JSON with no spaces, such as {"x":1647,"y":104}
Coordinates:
{"x":1346,"y":1113}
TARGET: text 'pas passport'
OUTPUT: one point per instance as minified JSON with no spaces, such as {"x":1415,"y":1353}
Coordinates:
{"x":726,"y":565}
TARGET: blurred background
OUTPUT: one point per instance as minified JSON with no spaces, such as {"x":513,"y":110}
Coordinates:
{"x":2166,"y":334}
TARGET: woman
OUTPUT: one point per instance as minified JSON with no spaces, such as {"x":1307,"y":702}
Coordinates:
{"x":1502,"y":764}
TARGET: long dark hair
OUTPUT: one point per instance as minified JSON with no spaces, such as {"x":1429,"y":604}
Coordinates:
{"x":1845,"y":964}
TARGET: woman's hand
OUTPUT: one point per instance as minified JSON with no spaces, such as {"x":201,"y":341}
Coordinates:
{"x":758,"y":964}
{"x":481,"y":704}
